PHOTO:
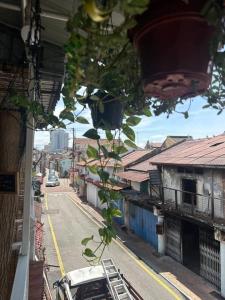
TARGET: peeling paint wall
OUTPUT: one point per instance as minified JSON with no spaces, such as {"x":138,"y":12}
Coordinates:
{"x":211,"y":182}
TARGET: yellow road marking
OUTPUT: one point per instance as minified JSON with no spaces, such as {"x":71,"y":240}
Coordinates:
{"x":138,"y":262}
{"x":61,"y":266}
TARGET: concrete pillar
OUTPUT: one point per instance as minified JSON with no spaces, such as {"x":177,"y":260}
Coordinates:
{"x":161,"y":237}
{"x":222,"y":266}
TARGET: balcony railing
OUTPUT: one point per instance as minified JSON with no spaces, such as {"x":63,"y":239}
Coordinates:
{"x":193,"y":204}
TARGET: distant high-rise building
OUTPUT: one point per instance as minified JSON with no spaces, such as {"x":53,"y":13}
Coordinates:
{"x":58,"y":140}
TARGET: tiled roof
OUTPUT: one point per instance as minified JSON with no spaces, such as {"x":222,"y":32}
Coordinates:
{"x":203,"y":152}
{"x":133,"y":176}
{"x":143,"y":166}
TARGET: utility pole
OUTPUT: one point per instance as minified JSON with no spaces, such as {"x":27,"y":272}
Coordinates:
{"x":73,"y":157}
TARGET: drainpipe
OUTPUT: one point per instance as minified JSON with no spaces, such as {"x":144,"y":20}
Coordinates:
{"x":161,"y":237}
{"x":212,"y":195}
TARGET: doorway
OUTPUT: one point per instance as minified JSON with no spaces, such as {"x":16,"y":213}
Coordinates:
{"x":189,"y":186}
{"x":190,"y":246}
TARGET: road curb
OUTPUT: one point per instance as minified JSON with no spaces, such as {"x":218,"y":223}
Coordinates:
{"x":118,"y":240}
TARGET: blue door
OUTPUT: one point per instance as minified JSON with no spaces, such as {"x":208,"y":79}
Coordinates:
{"x":143,"y":223}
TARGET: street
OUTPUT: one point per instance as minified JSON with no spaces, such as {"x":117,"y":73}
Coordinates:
{"x":66,"y":225}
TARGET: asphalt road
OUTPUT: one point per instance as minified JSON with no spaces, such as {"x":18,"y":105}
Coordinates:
{"x":66,"y":225}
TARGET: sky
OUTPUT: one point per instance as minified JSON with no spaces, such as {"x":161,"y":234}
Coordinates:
{"x":201,"y":123}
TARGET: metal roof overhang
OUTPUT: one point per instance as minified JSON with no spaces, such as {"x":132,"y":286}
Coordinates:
{"x":54,"y":15}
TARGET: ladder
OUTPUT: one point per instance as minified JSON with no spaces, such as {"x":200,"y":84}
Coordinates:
{"x":116,"y":284}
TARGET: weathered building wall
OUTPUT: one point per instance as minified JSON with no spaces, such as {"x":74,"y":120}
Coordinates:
{"x":135,"y":186}
{"x":210,"y":183}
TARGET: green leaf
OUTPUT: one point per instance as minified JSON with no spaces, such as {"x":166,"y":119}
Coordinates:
{"x":103,"y":175}
{"x":92,"y":134}
{"x":128,"y":132}
{"x":133,"y":121}
{"x":103,"y":196}
{"x":104,"y":151}
{"x":82,"y":120}
{"x":147,"y":112}
{"x":120,"y":149}
{"x":67,"y":115}
{"x":92,"y":152}
{"x":130,"y":144}
{"x":86,"y":240}
{"x":116,"y":212}
{"x":89,"y":253}
{"x":115,"y":195}
{"x":186,"y":115}
{"x":114,"y":155}
{"x":93,"y":169}
{"x":109,"y":135}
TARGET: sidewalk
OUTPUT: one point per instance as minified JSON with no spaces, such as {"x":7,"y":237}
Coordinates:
{"x":190,"y":284}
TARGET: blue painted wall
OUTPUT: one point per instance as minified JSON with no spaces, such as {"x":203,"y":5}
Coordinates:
{"x":143,"y":223}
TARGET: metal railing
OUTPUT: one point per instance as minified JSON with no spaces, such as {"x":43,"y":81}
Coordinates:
{"x":194,"y":204}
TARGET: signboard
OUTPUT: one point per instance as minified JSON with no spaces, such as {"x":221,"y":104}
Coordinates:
{"x":8,"y":183}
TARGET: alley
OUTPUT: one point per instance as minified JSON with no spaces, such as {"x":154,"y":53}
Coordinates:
{"x":66,"y":225}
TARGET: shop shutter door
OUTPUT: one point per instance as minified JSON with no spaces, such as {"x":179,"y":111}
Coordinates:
{"x":209,"y":257}
{"x":173,"y":238}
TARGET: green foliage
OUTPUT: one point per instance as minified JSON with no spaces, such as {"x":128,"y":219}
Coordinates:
{"x":109,"y":135}
{"x":85,"y":241}
{"x":82,"y":120}
{"x":133,"y":121}
{"x":92,"y":134}
{"x":92,"y":152}
{"x":130,"y":144}
{"x":128,"y":132}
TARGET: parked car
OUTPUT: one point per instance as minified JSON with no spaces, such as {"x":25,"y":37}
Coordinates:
{"x":95,"y":282}
{"x":52,"y":181}
{"x":51,"y":172}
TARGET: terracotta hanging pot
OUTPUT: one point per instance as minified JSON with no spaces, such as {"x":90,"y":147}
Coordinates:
{"x":172,"y":39}
{"x":111,"y":115}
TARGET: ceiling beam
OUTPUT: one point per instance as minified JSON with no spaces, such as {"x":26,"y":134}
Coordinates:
{"x":44,"y":14}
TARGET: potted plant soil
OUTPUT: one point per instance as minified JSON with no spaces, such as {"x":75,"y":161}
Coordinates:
{"x":106,"y":112}
{"x":173,"y":40}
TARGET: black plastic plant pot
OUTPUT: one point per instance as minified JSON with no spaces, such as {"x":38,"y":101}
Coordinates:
{"x":110,"y":117}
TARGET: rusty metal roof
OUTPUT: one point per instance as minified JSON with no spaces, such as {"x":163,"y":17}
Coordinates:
{"x":208,"y":152}
{"x":143,"y":166}
{"x":134,"y":156}
{"x":134,"y":176}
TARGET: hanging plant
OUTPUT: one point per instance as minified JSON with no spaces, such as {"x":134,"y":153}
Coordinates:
{"x":106,"y":111}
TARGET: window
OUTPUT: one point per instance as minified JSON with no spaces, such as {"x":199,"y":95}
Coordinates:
{"x":189,"y":191}
{"x":186,"y":170}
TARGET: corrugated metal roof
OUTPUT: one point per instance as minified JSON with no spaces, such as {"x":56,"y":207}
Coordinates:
{"x":203,"y":152}
{"x":131,"y":157}
{"x":133,"y":176}
{"x":144,"y":166}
